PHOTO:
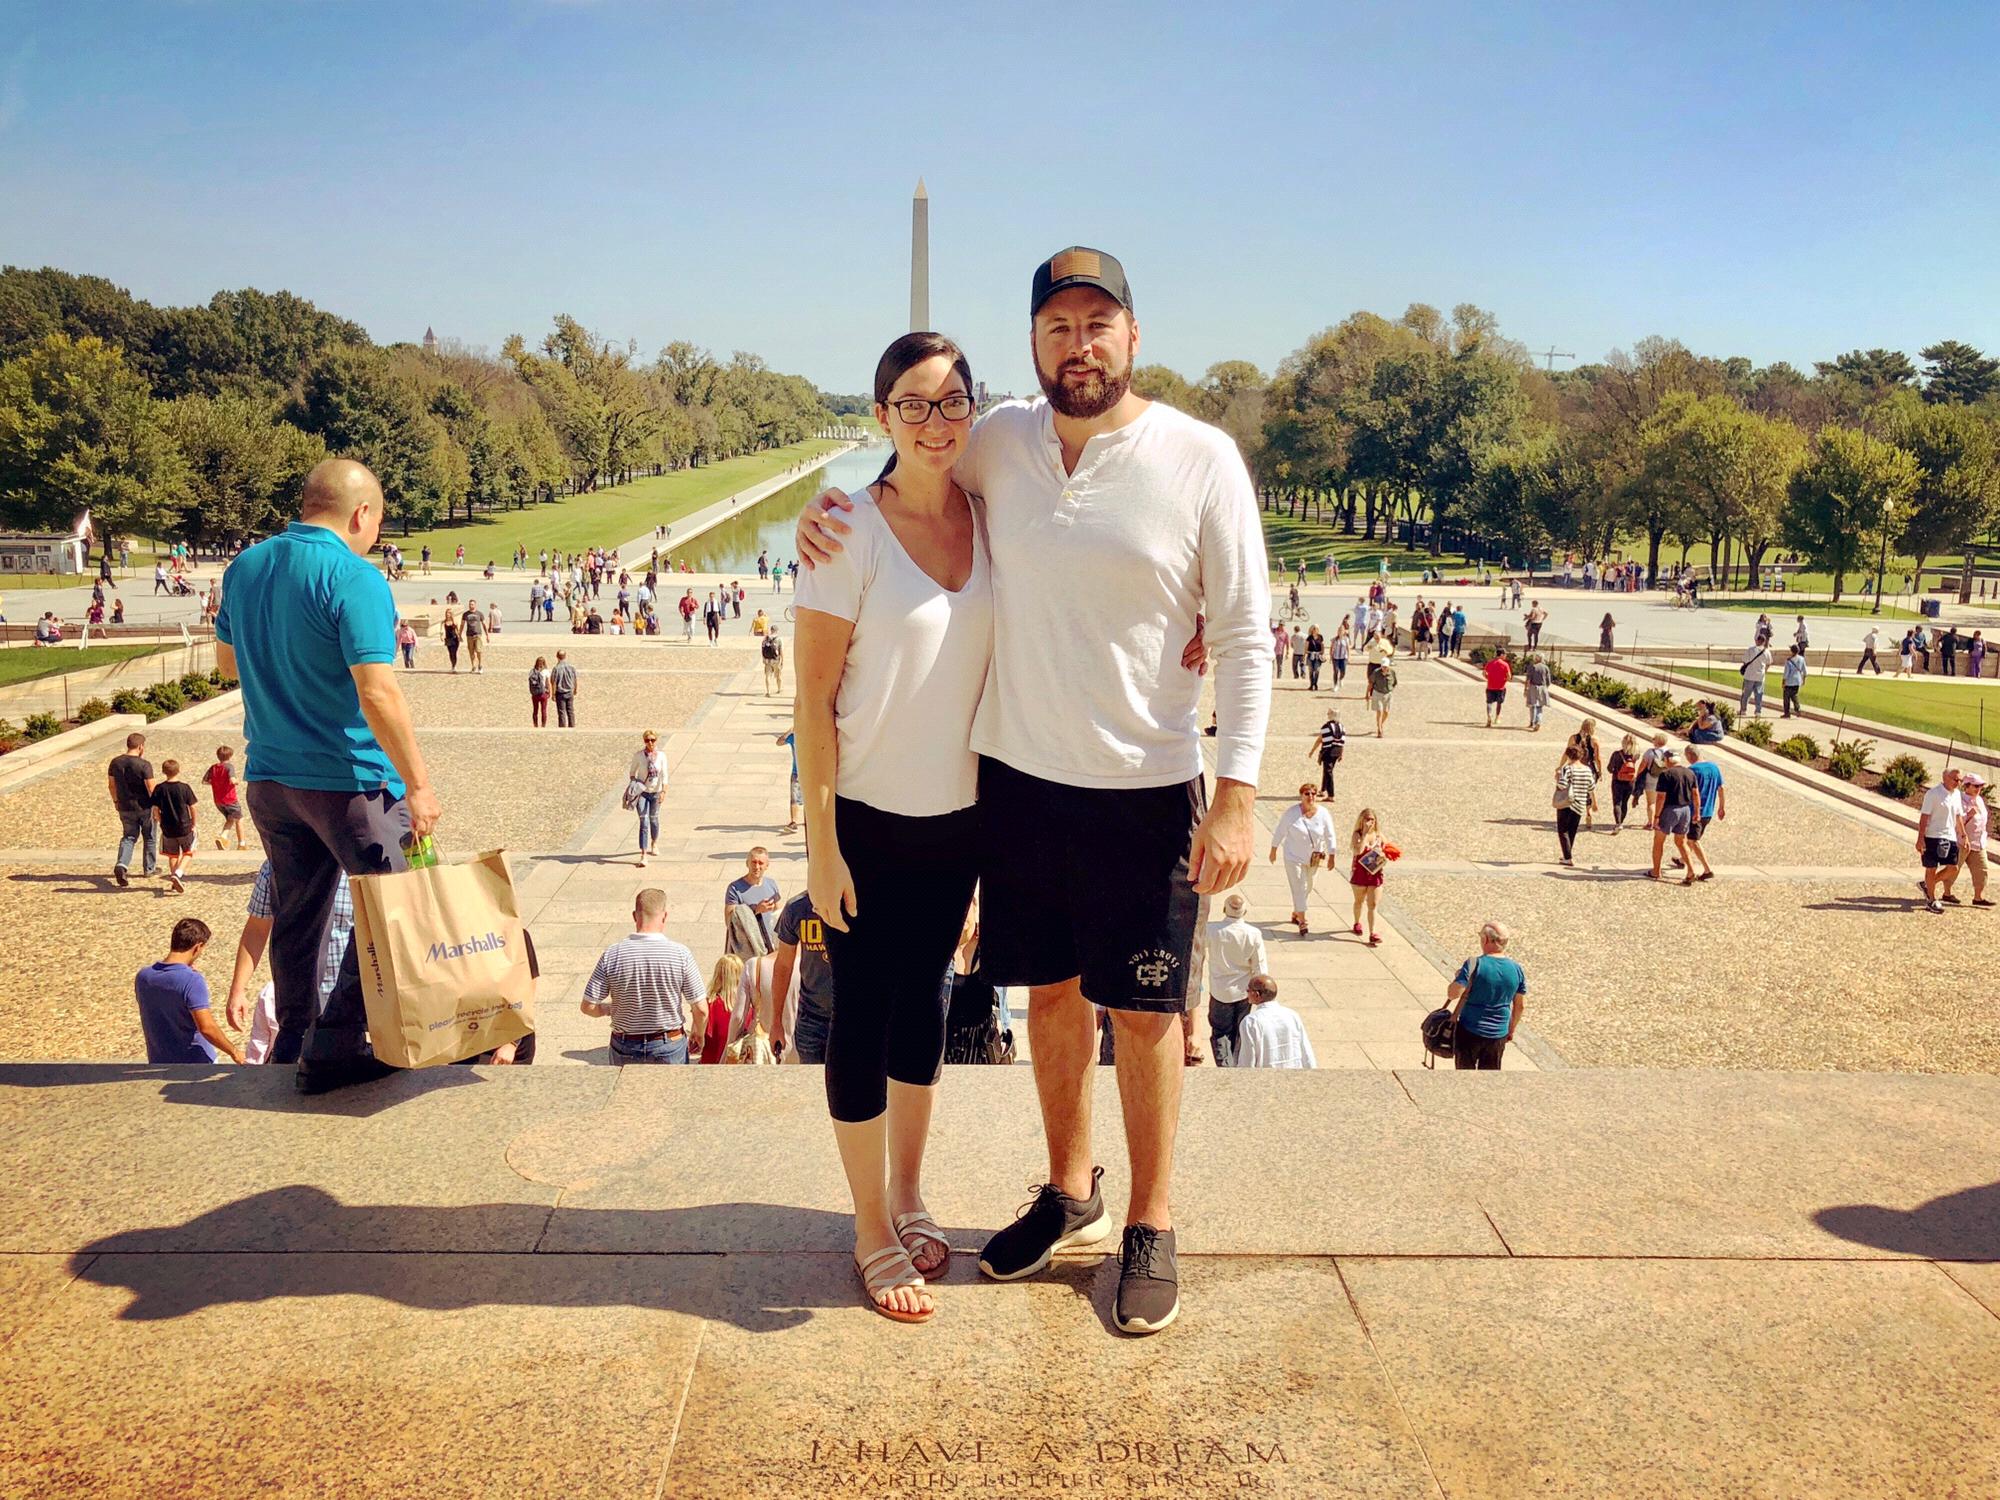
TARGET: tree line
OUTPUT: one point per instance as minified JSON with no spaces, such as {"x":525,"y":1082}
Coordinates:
{"x":1439,"y":431}
{"x":198,"y":423}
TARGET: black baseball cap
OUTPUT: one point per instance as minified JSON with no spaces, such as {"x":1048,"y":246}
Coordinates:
{"x":1079,"y":265}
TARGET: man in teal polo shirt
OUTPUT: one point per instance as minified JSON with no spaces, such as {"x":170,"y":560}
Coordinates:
{"x":334,"y":776}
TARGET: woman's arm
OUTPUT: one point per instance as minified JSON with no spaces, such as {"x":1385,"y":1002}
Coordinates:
{"x":822,"y":657}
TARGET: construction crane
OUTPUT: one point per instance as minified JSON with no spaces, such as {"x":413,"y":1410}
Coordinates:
{"x":1552,"y":355}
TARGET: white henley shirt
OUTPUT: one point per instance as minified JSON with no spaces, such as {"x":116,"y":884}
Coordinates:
{"x":1097,"y":579}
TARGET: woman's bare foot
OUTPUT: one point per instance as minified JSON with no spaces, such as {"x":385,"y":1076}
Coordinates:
{"x":930,"y":1251}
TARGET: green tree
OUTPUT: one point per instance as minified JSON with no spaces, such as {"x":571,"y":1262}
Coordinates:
{"x":245,"y":468}
{"x":280,"y":335}
{"x":1846,"y":501}
{"x":352,"y":399}
{"x":1876,"y":371}
{"x":1731,"y":465}
{"x":1956,"y":372}
{"x":79,"y":432}
{"x":1158,"y":383}
{"x":1958,"y":478}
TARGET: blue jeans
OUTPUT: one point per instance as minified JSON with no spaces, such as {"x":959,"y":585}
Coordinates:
{"x":1753,"y":691}
{"x":649,"y":820}
{"x":139,"y":827}
{"x":810,"y":1032}
{"x":659,"y":1050}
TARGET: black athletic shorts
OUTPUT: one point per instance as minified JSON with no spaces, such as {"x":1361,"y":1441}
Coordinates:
{"x":1496,"y":696}
{"x":1090,"y":883}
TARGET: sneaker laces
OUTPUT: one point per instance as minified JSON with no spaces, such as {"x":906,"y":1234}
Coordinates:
{"x":1140,"y":1242}
{"x":1037,"y":1191}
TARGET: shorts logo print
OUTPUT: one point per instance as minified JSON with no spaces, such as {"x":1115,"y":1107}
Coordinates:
{"x":1153,"y":967}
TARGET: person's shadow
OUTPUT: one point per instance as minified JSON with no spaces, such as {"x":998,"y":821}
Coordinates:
{"x":1959,"y":1226}
{"x":267,"y":1089}
{"x":758,"y":1292}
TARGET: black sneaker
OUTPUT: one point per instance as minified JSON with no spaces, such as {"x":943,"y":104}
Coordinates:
{"x":118,"y":874}
{"x":1149,"y":1280}
{"x":1052,"y":1221}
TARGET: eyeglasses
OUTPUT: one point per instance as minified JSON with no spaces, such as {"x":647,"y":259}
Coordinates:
{"x":915,"y":411}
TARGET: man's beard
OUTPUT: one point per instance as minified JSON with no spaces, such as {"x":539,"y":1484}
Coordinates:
{"x":1089,"y":398}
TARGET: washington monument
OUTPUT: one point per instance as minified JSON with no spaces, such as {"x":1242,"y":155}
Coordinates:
{"x":920,"y":260}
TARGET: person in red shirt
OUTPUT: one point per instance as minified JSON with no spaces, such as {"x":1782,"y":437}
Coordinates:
{"x":1498,"y":673}
{"x":222,"y":786}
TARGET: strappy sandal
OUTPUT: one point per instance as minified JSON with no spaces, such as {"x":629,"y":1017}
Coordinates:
{"x":920,"y":1226}
{"x":886,"y":1270}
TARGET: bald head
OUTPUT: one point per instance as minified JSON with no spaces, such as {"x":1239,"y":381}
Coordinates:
{"x":345,"y":497}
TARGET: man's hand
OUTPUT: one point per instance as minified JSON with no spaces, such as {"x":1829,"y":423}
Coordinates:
{"x":819,"y":530}
{"x":1220,"y":856}
{"x":1194,"y":655}
{"x":237,"y":1010}
{"x":424,"y":810}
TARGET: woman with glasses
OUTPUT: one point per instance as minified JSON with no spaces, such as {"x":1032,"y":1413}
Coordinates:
{"x":894,"y":638}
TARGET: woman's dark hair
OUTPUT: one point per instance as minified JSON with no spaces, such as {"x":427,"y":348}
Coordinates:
{"x":909,"y":351}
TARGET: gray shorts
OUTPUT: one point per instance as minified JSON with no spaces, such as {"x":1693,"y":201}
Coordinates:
{"x":1676,"y":819}
{"x":1379,"y":702}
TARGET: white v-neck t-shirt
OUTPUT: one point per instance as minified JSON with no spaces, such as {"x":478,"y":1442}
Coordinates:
{"x":1097,"y":579}
{"x":916,"y":666}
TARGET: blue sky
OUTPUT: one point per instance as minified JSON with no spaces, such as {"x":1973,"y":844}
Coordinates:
{"x":1783,"y":182}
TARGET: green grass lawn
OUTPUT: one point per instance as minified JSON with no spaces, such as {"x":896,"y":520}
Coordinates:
{"x":1291,"y":538}
{"x":1790,"y":606}
{"x":1949,"y":712}
{"x":605,"y":518}
{"x":31,"y":663}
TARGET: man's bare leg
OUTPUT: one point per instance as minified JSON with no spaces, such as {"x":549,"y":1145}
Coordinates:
{"x":1150,"y":1064}
{"x":1062,"y":1037}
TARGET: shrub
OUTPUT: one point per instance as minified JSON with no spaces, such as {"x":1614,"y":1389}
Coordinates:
{"x":1755,"y":732}
{"x":1728,"y":716}
{"x":1904,"y":776}
{"x":1799,"y":747}
{"x":1849,"y":758}
{"x":198,"y":689}
{"x":1678,"y":716}
{"x":40,"y":726}
{"x":167,"y":697}
{"x":227,"y":684}
{"x":91,"y":712}
{"x":128,"y":701}
{"x":1650,"y":703}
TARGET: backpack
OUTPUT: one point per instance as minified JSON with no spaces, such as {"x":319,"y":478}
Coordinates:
{"x":770,"y":648}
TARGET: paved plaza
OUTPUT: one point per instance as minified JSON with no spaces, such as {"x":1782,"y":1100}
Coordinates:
{"x":1712,"y":1234}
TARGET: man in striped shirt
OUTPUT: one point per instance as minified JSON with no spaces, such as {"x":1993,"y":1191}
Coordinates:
{"x":1272,"y":1035}
{"x":648,"y":985}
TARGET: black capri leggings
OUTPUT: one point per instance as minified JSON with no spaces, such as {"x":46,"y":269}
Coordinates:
{"x":913,"y":880}
{"x":1621,"y":798}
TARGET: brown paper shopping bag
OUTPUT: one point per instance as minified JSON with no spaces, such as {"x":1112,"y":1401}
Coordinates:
{"x":446,"y":968}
